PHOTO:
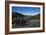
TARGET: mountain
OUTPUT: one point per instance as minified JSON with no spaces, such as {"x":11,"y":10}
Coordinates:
{"x":28,"y":17}
{"x":16,"y":14}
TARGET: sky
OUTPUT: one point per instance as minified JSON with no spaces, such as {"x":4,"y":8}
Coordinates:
{"x":26,"y":10}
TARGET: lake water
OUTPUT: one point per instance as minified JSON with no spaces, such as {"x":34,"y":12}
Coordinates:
{"x":31,"y":23}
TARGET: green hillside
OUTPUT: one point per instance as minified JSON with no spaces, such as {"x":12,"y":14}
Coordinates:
{"x":36,"y":17}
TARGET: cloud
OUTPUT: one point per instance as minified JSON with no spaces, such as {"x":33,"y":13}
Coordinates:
{"x":32,"y":14}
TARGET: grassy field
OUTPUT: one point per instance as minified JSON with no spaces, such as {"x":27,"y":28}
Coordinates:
{"x":36,"y":17}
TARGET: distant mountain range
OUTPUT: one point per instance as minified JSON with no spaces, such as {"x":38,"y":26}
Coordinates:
{"x":16,"y":14}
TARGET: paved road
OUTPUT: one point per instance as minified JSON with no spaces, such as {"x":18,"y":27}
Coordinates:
{"x":30,"y":23}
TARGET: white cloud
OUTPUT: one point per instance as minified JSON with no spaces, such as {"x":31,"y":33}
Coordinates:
{"x":32,"y":14}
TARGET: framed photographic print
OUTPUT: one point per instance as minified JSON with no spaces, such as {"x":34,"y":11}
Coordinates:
{"x":24,"y":17}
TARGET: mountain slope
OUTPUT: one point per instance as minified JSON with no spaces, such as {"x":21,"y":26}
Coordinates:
{"x":15,"y":14}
